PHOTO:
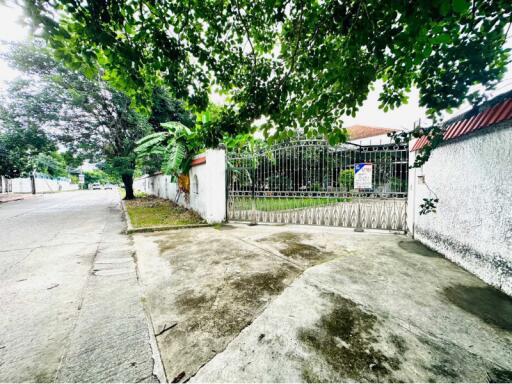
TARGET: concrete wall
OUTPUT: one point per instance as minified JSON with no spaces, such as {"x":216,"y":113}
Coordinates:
{"x":207,"y":186}
{"x":373,"y":140}
{"x":4,"y":184}
{"x":472,"y":176}
{"x":43,"y":185}
{"x":158,"y":185}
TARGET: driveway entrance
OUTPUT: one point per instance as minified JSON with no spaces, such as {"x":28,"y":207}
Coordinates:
{"x":318,"y":304}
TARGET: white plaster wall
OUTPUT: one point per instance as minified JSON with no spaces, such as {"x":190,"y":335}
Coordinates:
{"x":374,"y":140}
{"x":23,"y":185}
{"x":159,"y":185}
{"x":207,"y":187}
{"x":208,"y":198}
{"x":472,"y":177}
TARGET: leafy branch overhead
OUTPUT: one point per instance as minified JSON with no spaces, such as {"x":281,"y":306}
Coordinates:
{"x":299,"y":64}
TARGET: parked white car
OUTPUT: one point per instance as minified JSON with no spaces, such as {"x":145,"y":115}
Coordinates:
{"x":96,"y":186}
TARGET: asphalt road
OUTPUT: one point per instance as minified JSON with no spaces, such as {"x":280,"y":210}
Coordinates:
{"x":70,"y":303}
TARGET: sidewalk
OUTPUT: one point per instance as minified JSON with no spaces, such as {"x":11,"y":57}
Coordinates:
{"x":8,"y":197}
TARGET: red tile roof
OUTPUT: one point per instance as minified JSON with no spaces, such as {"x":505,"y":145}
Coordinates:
{"x":474,"y":120}
{"x":356,"y":132}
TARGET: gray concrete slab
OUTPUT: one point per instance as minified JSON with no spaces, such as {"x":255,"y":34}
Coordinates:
{"x":61,"y":319}
{"x":308,"y":304}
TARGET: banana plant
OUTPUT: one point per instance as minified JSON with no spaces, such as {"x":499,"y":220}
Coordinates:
{"x":177,"y":145}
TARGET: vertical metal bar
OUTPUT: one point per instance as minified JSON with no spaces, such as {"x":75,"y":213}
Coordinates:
{"x":359,"y":227}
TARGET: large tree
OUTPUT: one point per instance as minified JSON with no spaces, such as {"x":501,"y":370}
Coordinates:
{"x":87,"y":116}
{"x":25,"y":149}
{"x":298,"y":63}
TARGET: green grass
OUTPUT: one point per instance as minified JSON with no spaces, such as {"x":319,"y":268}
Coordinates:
{"x":284,"y":203}
{"x":152,"y":211}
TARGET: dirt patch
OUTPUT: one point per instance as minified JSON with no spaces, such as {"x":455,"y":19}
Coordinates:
{"x":44,"y":377}
{"x":288,"y":237}
{"x":487,"y":303}
{"x":215,"y":307}
{"x":253,"y":287}
{"x":418,"y":248}
{"x":295,"y":248}
{"x":229,"y":309}
{"x":224,"y":227}
{"x":497,"y":375}
{"x":344,"y":338}
{"x":399,"y":343}
{"x":171,"y":241}
{"x":192,"y":302}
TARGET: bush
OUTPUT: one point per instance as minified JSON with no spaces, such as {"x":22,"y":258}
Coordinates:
{"x":347,"y":179}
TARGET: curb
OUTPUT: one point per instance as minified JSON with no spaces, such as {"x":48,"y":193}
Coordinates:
{"x":28,"y":196}
{"x":129,"y":225}
{"x":165,"y":228}
{"x":131,"y":229}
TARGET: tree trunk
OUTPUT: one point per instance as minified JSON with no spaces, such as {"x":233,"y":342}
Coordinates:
{"x":128,"y":186}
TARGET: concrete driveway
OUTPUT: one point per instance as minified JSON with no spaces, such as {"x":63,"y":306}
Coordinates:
{"x":70,"y":303}
{"x":310,"y":304}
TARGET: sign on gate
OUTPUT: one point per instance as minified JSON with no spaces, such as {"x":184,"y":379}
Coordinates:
{"x":81,"y":178}
{"x":363,"y":176}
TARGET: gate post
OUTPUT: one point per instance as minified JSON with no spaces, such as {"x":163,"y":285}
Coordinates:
{"x":359,"y":223}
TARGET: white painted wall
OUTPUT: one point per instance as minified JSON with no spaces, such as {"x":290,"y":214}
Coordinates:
{"x":207,"y":187}
{"x":4,"y":184}
{"x":23,"y":185}
{"x":374,"y":140}
{"x":472,"y":177}
{"x":159,"y":185}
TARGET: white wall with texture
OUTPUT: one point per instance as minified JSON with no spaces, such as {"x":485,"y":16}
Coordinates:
{"x":43,"y":185}
{"x":472,"y":176}
{"x":207,"y":186}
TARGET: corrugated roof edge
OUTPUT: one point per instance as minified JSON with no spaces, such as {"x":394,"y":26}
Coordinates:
{"x":479,"y":108}
{"x":469,"y":120}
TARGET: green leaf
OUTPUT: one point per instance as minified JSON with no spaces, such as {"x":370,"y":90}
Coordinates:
{"x":445,"y":8}
{"x":460,"y":6}
{"x":442,"y":38}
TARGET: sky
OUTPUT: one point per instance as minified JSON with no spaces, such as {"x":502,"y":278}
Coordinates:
{"x":401,"y":118}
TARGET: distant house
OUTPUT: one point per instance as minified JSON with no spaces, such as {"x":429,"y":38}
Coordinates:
{"x":366,"y":135}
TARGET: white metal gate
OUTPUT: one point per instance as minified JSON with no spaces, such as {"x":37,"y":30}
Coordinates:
{"x":311,"y":182}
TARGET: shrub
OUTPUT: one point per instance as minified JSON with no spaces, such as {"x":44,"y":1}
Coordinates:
{"x":347,"y":179}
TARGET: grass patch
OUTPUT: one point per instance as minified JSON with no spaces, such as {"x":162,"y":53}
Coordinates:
{"x":285,"y":203}
{"x":150,"y":211}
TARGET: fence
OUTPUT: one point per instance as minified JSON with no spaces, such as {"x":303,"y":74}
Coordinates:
{"x":311,"y":182}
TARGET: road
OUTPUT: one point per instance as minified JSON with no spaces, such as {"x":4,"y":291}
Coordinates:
{"x":71,"y":307}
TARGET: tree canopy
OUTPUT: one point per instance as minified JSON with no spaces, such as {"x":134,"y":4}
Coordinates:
{"x":300,"y":64}
{"x":21,"y":151}
{"x":87,"y":116}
